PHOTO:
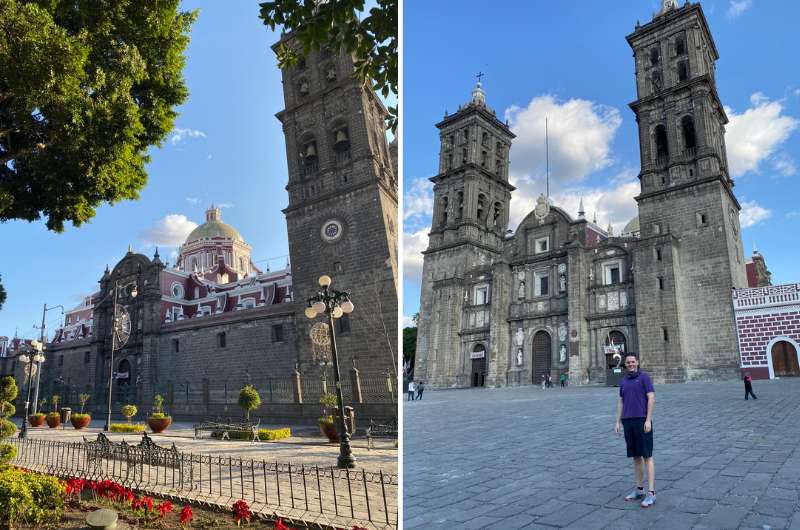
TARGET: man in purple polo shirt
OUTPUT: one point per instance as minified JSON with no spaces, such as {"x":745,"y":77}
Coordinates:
{"x":635,"y":416}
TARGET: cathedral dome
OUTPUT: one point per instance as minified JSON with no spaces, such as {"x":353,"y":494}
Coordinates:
{"x":214,"y":227}
{"x":632,"y":227}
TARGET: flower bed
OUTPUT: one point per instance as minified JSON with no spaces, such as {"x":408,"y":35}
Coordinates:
{"x":127,"y":427}
{"x":263,"y":434}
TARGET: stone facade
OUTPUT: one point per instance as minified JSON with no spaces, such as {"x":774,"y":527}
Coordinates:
{"x":562,"y":295}
{"x":768,"y":326}
{"x":201,"y":330}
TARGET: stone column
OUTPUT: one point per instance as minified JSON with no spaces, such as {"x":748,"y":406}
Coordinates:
{"x":355,"y":382}
{"x":298,"y":387}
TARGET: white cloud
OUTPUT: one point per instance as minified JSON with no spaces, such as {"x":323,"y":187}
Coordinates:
{"x":194,"y":201}
{"x":179,"y":134}
{"x":171,"y":231}
{"x":408,"y":322}
{"x":756,"y":134}
{"x":224,"y":205}
{"x":413,"y":245}
{"x":737,"y":7}
{"x":784,"y":165}
{"x":580,"y":135}
{"x":797,"y":92}
{"x":752,"y":213}
{"x":418,"y":200}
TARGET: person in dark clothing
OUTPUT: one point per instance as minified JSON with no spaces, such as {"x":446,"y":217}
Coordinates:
{"x":420,"y":389}
{"x":748,"y":386}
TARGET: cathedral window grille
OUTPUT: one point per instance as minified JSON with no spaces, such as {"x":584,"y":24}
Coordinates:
{"x":481,"y":206}
{"x":661,"y":146}
{"x":541,"y":245}
{"x":222,"y":340}
{"x":683,"y":71}
{"x":277,"y":333}
{"x":176,"y":346}
{"x":687,"y":127}
{"x":541,"y":283}
{"x":680,"y":46}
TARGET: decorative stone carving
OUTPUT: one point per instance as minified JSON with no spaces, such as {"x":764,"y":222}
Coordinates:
{"x":562,"y":331}
{"x":613,"y":301}
{"x":519,"y":337}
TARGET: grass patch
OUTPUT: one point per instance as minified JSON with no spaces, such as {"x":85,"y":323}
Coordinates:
{"x":264,"y":434}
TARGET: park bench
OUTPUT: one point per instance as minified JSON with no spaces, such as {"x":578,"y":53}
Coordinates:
{"x":381,"y":430}
{"x":223,"y":428}
{"x":146,"y":452}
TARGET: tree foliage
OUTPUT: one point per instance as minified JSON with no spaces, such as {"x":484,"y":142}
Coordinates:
{"x":2,"y":293}
{"x":8,"y":393}
{"x":85,"y":89}
{"x":249,"y":399}
{"x":410,"y":344}
{"x":339,"y":25}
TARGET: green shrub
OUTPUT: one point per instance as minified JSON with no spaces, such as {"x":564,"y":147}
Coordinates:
{"x":249,"y":399}
{"x":8,"y":393}
{"x":329,"y":403}
{"x":83,"y":399}
{"x":158,"y":404}
{"x":80,"y":415}
{"x":31,"y":498}
{"x":129,"y":411}
{"x":127,"y":427}
{"x":7,"y":453}
{"x":38,"y":415}
{"x":158,"y":416}
{"x":54,"y":414}
{"x":263,"y":434}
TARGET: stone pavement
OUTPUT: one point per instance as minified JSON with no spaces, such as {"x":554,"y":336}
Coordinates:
{"x":310,"y":449}
{"x":530,"y":458}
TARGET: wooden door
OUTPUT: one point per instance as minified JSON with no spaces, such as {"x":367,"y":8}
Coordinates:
{"x":784,"y":359}
{"x":479,"y":371}
{"x":542,"y":355}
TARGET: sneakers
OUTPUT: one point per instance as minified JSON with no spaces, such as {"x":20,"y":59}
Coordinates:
{"x":634,"y":495}
{"x":649,"y":500}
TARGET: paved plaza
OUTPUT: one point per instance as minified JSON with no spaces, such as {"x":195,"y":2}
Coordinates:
{"x":309,"y":449}
{"x":531,"y":458}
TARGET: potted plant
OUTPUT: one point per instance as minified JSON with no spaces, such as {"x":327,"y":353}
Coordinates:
{"x":158,"y":421}
{"x":79,"y":419}
{"x":37,"y":419}
{"x":249,"y":400}
{"x":129,"y":411}
{"x":54,"y":417}
{"x":327,"y":425}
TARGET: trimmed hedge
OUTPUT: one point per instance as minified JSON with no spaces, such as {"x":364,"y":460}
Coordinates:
{"x":127,"y":427}
{"x":37,"y":500}
{"x":264,"y":434}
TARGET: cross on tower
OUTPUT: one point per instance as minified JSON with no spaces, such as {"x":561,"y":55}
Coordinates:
{"x":479,"y":75}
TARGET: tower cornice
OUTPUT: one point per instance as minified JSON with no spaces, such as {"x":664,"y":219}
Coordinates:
{"x":663,"y":20}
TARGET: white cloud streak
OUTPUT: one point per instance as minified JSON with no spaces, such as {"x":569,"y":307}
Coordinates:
{"x":179,"y":134}
{"x":413,"y":245}
{"x":737,"y":7}
{"x":418,"y":200}
{"x":753,"y":213}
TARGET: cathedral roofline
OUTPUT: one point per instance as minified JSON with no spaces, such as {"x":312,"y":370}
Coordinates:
{"x":663,"y":19}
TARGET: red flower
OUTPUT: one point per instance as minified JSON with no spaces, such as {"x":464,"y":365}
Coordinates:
{"x":280,"y":526}
{"x":164,"y":507}
{"x":186,"y":514}
{"x":241,"y":511}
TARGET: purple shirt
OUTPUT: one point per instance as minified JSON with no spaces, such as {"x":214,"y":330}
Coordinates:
{"x":634,"y":395}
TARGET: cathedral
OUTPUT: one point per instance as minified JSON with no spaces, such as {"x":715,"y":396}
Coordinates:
{"x":561,"y":295}
{"x":198,"y":331}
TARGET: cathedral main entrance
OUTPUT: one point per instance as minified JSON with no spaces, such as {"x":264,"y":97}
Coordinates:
{"x":784,"y":359}
{"x":542,"y":356}
{"x":478,"y":357}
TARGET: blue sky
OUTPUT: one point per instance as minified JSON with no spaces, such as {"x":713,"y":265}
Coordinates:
{"x":570,"y":61}
{"x":228,"y":148}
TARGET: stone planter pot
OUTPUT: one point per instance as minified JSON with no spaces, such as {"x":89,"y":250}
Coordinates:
{"x":80,"y":422}
{"x":53,"y":421}
{"x":158,"y":425}
{"x":36,"y":421}
{"x":328,"y":428}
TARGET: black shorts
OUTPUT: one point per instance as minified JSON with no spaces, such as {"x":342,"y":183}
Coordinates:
{"x":639,"y":443}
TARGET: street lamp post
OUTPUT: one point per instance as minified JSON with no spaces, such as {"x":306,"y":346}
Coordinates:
{"x":32,"y":359}
{"x":119,"y":337}
{"x":43,"y":340}
{"x":334,"y":304}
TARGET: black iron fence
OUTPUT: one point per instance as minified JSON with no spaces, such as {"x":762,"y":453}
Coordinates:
{"x":311,"y":494}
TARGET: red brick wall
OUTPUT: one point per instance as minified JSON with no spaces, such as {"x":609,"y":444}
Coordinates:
{"x":755,"y":333}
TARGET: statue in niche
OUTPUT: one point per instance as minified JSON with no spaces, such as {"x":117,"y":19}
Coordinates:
{"x":519,"y":356}
{"x":521,"y":291}
{"x":519,"y":337}
{"x":562,"y":282}
{"x":562,"y":353}
{"x":562,"y":332}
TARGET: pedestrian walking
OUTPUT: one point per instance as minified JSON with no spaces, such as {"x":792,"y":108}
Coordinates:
{"x":637,"y":399}
{"x":410,"y":391}
{"x":748,"y":386}
{"x":420,"y":389}
{"x":563,"y":379}
{"x":549,"y":380}
{"x":544,"y":382}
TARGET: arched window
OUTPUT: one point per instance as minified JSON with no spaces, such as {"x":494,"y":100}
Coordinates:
{"x":444,"y":210}
{"x":466,"y":135}
{"x":481,"y":206}
{"x":341,"y":144}
{"x":193,"y":266}
{"x":309,"y":157}
{"x":496,"y":214}
{"x":687,"y":126}
{"x":654,"y":56}
{"x":460,"y":204}
{"x":680,"y":46}
{"x":483,"y":158}
{"x":660,"y":137}
{"x":683,"y":71}
{"x":463,"y":156}
{"x":485,"y":139}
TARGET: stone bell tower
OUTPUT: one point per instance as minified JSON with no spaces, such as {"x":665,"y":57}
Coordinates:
{"x":688,"y":214}
{"x":470,"y":218}
{"x":342,"y":212}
